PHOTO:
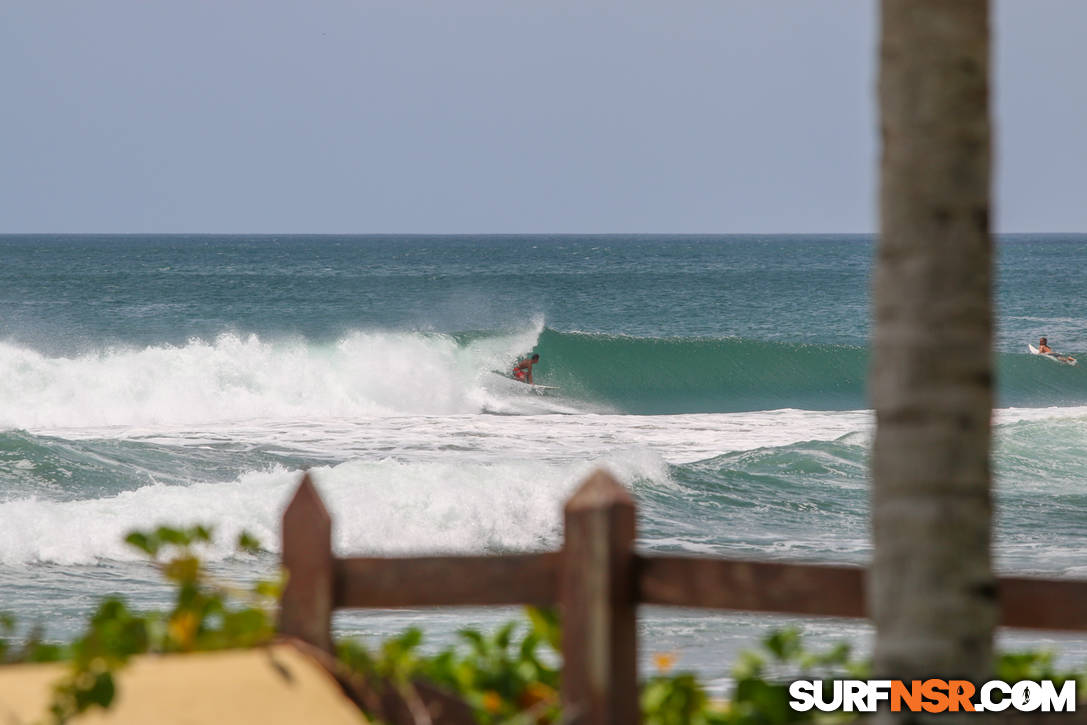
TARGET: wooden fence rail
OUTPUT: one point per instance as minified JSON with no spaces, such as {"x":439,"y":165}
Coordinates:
{"x":597,"y":580}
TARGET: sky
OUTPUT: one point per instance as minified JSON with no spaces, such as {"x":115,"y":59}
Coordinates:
{"x":495,"y":116}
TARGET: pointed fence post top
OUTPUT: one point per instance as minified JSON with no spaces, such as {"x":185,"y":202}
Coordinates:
{"x":600,"y":491}
{"x":306,"y":506}
{"x":305,"y":609}
{"x":597,"y":597}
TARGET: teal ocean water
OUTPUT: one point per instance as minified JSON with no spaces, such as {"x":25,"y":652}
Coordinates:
{"x":184,"y":379}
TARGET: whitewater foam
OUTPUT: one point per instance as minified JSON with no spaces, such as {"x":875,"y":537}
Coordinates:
{"x":239,"y":378}
{"x":769,"y":480}
{"x":383,"y":506}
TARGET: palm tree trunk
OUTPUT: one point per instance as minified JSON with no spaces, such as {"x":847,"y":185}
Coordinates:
{"x":932,"y":591}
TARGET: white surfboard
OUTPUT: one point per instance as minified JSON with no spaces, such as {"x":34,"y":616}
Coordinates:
{"x":1063,"y":360}
{"x":531,"y":386}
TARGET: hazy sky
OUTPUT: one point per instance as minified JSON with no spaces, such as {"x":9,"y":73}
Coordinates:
{"x":465,"y":116}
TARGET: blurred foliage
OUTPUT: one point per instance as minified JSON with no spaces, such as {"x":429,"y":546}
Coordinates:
{"x":511,"y":676}
{"x":504,"y":676}
{"x":760,"y":693}
{"x":206,"y":615}
{"x":1038,"y":665}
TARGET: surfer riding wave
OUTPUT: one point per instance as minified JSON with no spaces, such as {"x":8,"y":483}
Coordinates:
{"x":523,"y":369}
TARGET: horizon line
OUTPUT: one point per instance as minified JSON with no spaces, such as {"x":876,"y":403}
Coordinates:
{"x":485,"y":234}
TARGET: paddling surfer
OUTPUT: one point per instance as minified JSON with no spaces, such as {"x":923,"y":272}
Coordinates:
{"x":1045,"y":349}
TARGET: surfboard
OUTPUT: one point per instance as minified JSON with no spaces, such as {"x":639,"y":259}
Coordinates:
{"x":531,"y":386}
{"x":1051,"y":356}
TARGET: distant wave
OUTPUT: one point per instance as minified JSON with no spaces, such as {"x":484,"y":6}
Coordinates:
{"x":704,"y":375}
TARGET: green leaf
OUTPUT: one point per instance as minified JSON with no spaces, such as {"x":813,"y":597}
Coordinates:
{"x":545,"y":623}
{"x":183,"y":569}
{"x":169,"y":535}
{"x":46,"y":652}
{"x":475,"y":638}
{"x":784,"y":643}
{"x":411,"y":638}
{"x":268,"y":589}
{"x":248,"y":543}
{"x":504,"y":635}
{"x":147,"y":544}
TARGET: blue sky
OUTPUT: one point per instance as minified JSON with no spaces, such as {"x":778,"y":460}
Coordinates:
{"x":492,"y":116}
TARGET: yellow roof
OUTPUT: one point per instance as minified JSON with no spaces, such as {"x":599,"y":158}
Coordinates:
{"x":266,"y":685}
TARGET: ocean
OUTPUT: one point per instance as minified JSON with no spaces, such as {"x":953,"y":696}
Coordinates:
{"x":191,"y":379}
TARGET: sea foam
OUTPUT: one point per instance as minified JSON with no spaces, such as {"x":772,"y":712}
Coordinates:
{"x":235,"y":378}
{"x":377,"y":507}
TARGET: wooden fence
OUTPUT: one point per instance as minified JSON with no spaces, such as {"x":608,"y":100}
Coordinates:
{"x":597,"y":580}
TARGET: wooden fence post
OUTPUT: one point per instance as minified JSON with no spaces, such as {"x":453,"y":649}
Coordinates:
{"x":306,"y":608}
{"x":596,"y":596}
